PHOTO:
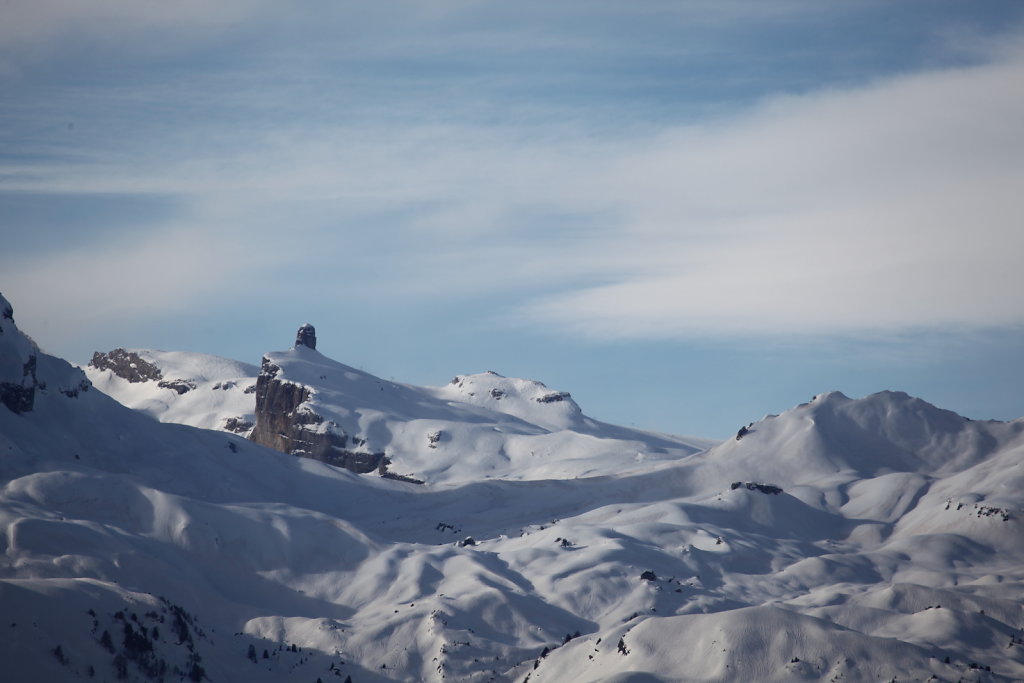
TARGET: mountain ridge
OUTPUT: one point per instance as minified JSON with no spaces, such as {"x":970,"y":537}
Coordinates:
{"x":197,"y":550}
{"x":352,"y":418}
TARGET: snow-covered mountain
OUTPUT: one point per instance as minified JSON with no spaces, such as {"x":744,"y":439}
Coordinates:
{"x":173,"y":386}
{"x":843,"y":540}
{"x":301,"y":402}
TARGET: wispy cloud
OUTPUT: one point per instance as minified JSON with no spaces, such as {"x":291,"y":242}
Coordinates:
{"x":885,"y":207}
{"x":888,"y":206}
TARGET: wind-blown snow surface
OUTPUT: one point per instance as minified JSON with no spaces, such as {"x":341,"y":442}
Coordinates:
{"x":895,"y":543}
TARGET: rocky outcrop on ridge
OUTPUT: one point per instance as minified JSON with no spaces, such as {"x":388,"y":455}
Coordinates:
{"x":313,"y":406}
{"x":130,"y":366}
{"x":127,"y":365}
{"x":18,"y":380}
{"x":25,"y":371}
{"x":285,"y":421}
{"x":306,"y":336}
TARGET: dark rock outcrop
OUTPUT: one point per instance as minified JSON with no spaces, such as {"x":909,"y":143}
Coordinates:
{"x":306,"y":336}
{"x":753,"y":486}
{"x":382,"y":470}
{"x":285,"y":422}
{"x":179,"y":385}
{"x":20,"y":397}
{"x":127,"y":365}
{"x":131,"y":367}
{"x":238,"y":425}
{"x":26,"y":372}
{"x":18,"y":360}
{"x":555,"y":397}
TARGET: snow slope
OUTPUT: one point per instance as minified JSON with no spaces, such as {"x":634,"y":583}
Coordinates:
{"x":210,"y":392}
{"x":513,"y":428}
{"x":877,"y":537}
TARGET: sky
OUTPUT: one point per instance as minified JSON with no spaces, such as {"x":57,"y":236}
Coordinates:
{"x":687,"y":214}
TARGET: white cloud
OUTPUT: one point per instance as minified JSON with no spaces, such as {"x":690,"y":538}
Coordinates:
{"x":889,"y":207}
{"x":144,"y":275}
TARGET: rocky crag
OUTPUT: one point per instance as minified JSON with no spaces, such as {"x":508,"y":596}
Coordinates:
{"x":132,"y":367}
{"x":18,"y":382}
{"x":285,"y":421}
{"x":20,"y":377}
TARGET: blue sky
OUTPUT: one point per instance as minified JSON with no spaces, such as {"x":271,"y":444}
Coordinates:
{"x":688,"y":214}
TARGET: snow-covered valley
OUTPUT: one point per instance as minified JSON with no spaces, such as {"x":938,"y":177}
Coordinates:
{"x":148,"y":539}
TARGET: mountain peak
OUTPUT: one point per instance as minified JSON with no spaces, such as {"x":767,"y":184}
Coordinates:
{"x":25,"y":371}
{"x":888,"y":431}
{"x":6,"y":310}
{"x":17,"y":364}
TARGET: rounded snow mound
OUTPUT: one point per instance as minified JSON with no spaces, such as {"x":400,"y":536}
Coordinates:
{"x":834,"y":435}
{"x":526,"y":399}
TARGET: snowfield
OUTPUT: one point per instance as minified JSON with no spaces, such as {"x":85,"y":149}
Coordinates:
{"x":845,"y":539}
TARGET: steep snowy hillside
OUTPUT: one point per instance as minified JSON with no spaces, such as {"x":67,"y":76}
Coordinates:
{"x":844,"y":540}
{"x":188,"y":388}
{"x":304,"y":403}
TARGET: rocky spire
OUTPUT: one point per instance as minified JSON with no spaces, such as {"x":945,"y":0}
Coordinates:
{"x":306,"y":336}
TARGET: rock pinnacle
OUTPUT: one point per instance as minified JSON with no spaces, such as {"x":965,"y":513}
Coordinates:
{"x":306,"y":336}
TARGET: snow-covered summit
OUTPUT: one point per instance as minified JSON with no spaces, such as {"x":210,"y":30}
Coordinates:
{"x":529,"y":400}
{"x":834,"y":436}
{"x":479,"y":426}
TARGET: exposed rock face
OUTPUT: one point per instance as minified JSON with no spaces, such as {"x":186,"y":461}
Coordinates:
{"x":132,"y":367}
{"x":19,"y":398}
{"x":306,"y":336}
{"x":286,"y":423}
{"x":556,"y":397}
{"x":127,"y":365}
{"x":25,"y":371}
{"x":238,"y":425}
{"x":179,"y":385}
{"x":276,"y":405}
{"x":18,"y":360}
{"x":754,"y":486}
